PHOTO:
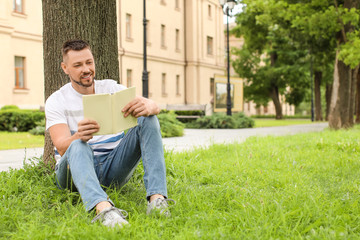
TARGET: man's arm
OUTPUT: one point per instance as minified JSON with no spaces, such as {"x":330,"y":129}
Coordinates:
{"x":141,"y":106}
{"x":61,"y":136}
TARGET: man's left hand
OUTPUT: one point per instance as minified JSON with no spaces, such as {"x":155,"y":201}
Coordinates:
{"x":141,"y":106}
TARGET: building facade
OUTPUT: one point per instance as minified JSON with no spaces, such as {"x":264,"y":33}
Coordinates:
{"x":185,"y":44}
{"x":185,"y":49}
{"x":21,"y":55}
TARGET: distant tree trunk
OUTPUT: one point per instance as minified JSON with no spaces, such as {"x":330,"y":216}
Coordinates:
{"x":318,"y":110}
{"x":341,"y":98}
{"x":328,"y":92}
{"x":358,"y":98}
{"x":92,"y":20}
{"x":274,"y":91}
{"x":354,"y":75}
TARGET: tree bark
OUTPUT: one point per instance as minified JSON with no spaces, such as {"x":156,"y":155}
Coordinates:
{"x":92,"y":20}
{"x":317,"y":84}
{"x":340,"y":100}
{"x":358,"y":98}
{"x":328,"y":99}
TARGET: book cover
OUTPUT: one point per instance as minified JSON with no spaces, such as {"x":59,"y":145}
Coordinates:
{"x":106,"y":108}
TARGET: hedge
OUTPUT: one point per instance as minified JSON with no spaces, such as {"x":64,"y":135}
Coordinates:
{"x":16,"y":120}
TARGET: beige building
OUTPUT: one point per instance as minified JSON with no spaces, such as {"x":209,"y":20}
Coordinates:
{"x":21,"y":55}
{"x":185,"y":49}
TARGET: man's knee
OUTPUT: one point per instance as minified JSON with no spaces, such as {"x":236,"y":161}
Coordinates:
{"x":150,"y":122}
{"x":79,"y":147}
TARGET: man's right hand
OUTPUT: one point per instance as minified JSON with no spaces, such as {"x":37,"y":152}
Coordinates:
{"x":62,"y":138}
{"x":86,"y":129}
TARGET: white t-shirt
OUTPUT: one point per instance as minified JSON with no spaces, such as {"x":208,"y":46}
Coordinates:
{"x":66,"y":106}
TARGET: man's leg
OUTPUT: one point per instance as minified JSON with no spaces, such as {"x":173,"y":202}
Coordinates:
{"x":77,"y":165}
{"x":144,"y":141}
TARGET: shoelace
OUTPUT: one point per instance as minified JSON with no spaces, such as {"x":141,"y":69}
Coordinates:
{"x":164,"y":202}
{"x":121,"y":212}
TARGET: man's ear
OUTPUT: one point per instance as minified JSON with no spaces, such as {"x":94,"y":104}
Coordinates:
{"x":64,"y":67}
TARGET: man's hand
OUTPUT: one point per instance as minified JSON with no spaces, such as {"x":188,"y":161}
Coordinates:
{"x":141,"y":106}
{"x":86,"y":129}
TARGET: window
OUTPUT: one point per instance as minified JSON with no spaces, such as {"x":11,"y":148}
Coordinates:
{"x":162,"y":2}
{"x":177,"y":84}
{"x":163,"y":84}
{"x":128,"y":26}
{"x":128,"y":77}
{"x":163,"y":35}
{"x":177,"y":39}
{"x":209,"y":11}
{"x":177,"y":6}
{"x":19,"y":72}
{"x":209,"y":45}
{"x":18,"y":6}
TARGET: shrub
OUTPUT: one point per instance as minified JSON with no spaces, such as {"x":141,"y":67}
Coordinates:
{"x":39,"y":129}
{"x":10,"y":107}
{"x":19,"y":120}
{"x":170,"y":126}
{"x":238,"y":120}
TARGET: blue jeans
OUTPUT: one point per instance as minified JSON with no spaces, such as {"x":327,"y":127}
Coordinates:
{"x":79,"y":168}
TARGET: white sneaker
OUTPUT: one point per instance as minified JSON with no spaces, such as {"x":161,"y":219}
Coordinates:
{"x":159,"y":206}
{"x":112,"y":217}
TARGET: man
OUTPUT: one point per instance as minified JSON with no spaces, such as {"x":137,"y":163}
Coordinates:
{"x":90,"y":161}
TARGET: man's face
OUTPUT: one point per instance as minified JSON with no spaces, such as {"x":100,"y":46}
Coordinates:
{"x":80,"y":67}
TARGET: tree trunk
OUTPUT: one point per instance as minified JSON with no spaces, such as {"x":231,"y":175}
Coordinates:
{"x":92,"y":20}
{"x":340,"y":99}
{"x":358,"y":98}
{"x":354,"y":74}
{"x":343,"y":87}
{"x":317,"y":84}
{"x":274,"y":91}
{"x":328,"y":99}
{"x":274,"y":94}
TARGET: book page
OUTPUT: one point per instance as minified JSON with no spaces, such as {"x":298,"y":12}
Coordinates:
{"x":120,"y":99}
{"x":98,"y":107}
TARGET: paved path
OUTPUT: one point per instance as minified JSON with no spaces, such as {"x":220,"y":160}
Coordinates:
{"x":192,"y":138}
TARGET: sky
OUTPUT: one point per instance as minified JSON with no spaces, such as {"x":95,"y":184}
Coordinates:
{"x":236,"y":9}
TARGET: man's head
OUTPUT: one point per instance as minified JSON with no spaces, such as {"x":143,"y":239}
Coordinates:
{"x":78,"y":63}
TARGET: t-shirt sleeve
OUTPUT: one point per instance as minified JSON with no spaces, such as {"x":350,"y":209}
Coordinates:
{"x":54,"y":112}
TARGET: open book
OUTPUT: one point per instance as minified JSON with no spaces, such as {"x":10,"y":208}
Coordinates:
{"x":106,"y":110}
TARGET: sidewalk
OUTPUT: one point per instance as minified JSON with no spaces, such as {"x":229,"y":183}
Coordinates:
{"x":193,"y":138}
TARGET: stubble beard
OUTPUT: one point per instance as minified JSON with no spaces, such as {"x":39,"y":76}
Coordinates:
{"x":83,"y":84}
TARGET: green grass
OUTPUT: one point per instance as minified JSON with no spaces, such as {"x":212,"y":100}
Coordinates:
{"x":302,"y":186}
{"x":14,"y":140}
{"x":259,"y":122}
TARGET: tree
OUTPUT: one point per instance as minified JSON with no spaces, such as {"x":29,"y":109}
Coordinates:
{"x":91,"y":20}
{"x":270,"y":60}
{"x":346,"y":65}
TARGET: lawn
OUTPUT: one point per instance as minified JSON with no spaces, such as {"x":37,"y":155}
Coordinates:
{"x":303,"y":186}
{"x":264,"y":122}
{"x":15,"y":140}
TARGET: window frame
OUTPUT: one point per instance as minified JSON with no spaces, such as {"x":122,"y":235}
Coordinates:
{"x":17,"y":69}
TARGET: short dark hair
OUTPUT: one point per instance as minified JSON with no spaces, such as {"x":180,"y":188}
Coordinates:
{"x":75,"y":45}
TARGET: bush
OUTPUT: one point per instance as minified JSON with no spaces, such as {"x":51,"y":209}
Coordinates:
{"x":238,"y":120}
{"x":10,"y":107}
{"x":19,"y":120}
{"x":39,"y":129}
{"x":170,"y":126}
